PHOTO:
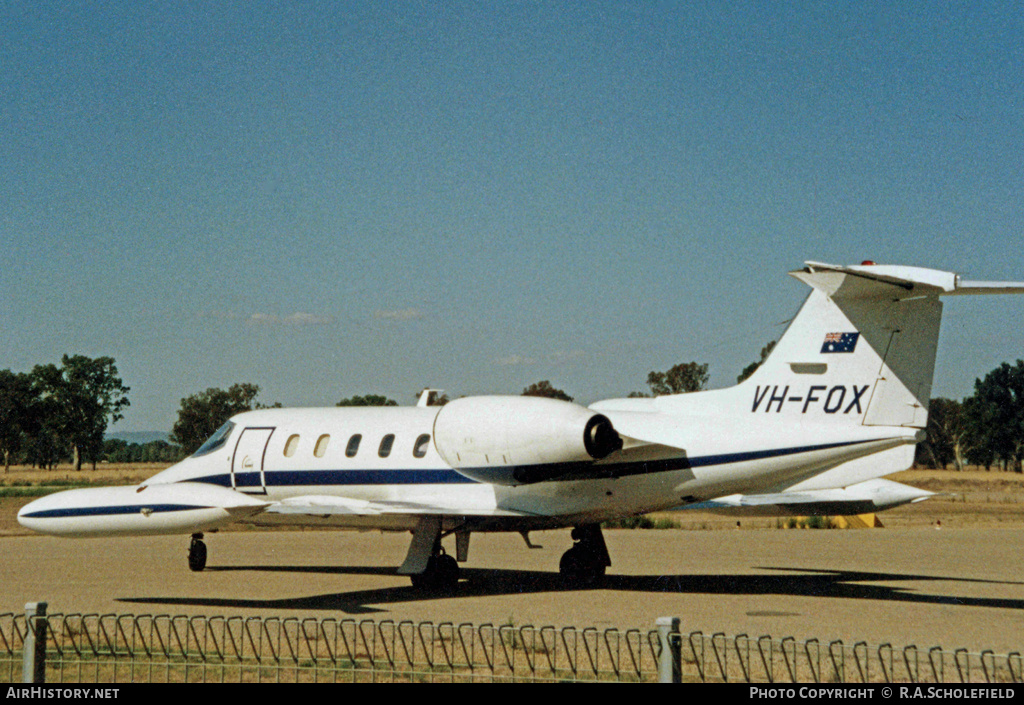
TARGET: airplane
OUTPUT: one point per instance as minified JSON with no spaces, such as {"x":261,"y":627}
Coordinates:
{"x":837,"y":405}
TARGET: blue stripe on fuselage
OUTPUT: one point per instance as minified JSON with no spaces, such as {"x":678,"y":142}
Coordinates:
{"x":112,"y":510}
{"x":444,"y":476}
{"x":293,"y":478}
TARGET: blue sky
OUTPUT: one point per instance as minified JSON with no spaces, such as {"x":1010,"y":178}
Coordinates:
{"x":329,"y":199}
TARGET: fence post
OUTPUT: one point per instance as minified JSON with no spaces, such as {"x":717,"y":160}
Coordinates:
{"x":670,"y":668}
{"x":33,"y":666}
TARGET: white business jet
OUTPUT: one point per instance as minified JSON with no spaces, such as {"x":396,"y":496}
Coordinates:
{"x":839,"y":403}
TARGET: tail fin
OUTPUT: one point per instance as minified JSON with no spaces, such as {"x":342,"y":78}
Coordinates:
{"x":862,"y":348}
{"x":855,"y":363}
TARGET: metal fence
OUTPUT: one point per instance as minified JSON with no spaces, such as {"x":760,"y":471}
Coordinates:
{"x":719,"y":658}
{"x":163,"y":648}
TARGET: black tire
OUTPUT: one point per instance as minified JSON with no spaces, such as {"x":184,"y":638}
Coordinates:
{"x":447,"y":571}
{"x":196,"y":556}
{"x":442,"y":573}
{"x":580,"y":567}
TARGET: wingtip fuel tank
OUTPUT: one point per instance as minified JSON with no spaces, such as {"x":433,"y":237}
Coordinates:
{"x":179,"y":508}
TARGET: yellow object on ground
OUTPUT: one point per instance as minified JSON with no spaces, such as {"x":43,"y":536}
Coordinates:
{"x":855,"y":521}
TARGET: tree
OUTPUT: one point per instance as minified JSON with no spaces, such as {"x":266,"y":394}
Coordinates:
{"x":995,"y":416}
{"x":683,"y":378}
{"x":82,"y":397}
{"x":116,"y":450}
{"x":159,"y":452}
{"x":47,"y":442}
{"x":544,"y":389}
{"x":17,"y":398}
{"x":203,"y":413}
{"x":752,"y":367}
{"x":948,"y":435}
{"x":368,"y":400}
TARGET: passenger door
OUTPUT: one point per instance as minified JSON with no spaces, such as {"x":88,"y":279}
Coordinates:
{"x":247,"y":463}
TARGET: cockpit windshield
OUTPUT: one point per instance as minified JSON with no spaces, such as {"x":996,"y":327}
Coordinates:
{"x":215,"y":441}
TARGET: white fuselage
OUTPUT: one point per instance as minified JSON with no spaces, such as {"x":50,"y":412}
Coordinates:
{"x":277,"y":454}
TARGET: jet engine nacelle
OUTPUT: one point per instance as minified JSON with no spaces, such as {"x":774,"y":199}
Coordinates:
{"x":510,"y":440}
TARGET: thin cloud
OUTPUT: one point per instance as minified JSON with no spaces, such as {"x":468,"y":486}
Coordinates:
{"x":219,"y":315}
{"x":511,"y":360}
{"x":295,"y":319}
{"x":559,"y":357}
{"x":566,"y":356}
{"x":403,"y":314}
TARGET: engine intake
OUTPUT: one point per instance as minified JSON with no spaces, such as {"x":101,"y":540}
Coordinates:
{"x":520,"y":440}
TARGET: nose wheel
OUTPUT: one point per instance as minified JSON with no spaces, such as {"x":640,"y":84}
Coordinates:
{"x":196,"y":553}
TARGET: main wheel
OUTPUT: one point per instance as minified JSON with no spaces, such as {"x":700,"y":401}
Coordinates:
{"x":581,"y":567}
{"x":442,"y":573}
{"x":196,"y":555}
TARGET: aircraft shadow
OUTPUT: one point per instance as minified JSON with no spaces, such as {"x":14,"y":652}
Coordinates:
{"x":479,"y":582}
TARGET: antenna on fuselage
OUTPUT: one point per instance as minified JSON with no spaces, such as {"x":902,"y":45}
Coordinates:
{"x":429,"y":396}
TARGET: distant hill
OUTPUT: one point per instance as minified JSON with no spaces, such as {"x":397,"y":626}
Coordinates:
{"x":140,"y":437}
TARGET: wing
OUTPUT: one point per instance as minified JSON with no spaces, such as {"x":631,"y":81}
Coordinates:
{"x":349,"y":512}
{"x":861,"y":498}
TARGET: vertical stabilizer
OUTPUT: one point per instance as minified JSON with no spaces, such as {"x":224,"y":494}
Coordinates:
{"x":862,"y":348}
{"x":860,"y":352}
{"x":850,"y":378}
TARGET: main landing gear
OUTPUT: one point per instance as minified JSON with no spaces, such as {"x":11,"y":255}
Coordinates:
{"x":584,"y":564}
{"x":427,"y":564}
{"x":196,"y":553}
{"x":442,"y":573}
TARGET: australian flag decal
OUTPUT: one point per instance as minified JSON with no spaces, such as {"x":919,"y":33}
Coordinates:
{"x":840,"y":342}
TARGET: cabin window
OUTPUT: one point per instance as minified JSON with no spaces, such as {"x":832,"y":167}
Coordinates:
{"x":385,"y":445}
{"x":218,"y":439}
{"x":353,"y":445}
{"x":321,"y":445}
{"x":290,"y":445}
{"x":420,"y":449}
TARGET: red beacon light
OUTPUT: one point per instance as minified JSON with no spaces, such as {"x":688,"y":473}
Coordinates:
{"x":868,"y":263}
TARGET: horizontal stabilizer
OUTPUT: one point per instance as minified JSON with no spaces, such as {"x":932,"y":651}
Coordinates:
{"x":906,"y":278}
{"x":971,"y":288}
